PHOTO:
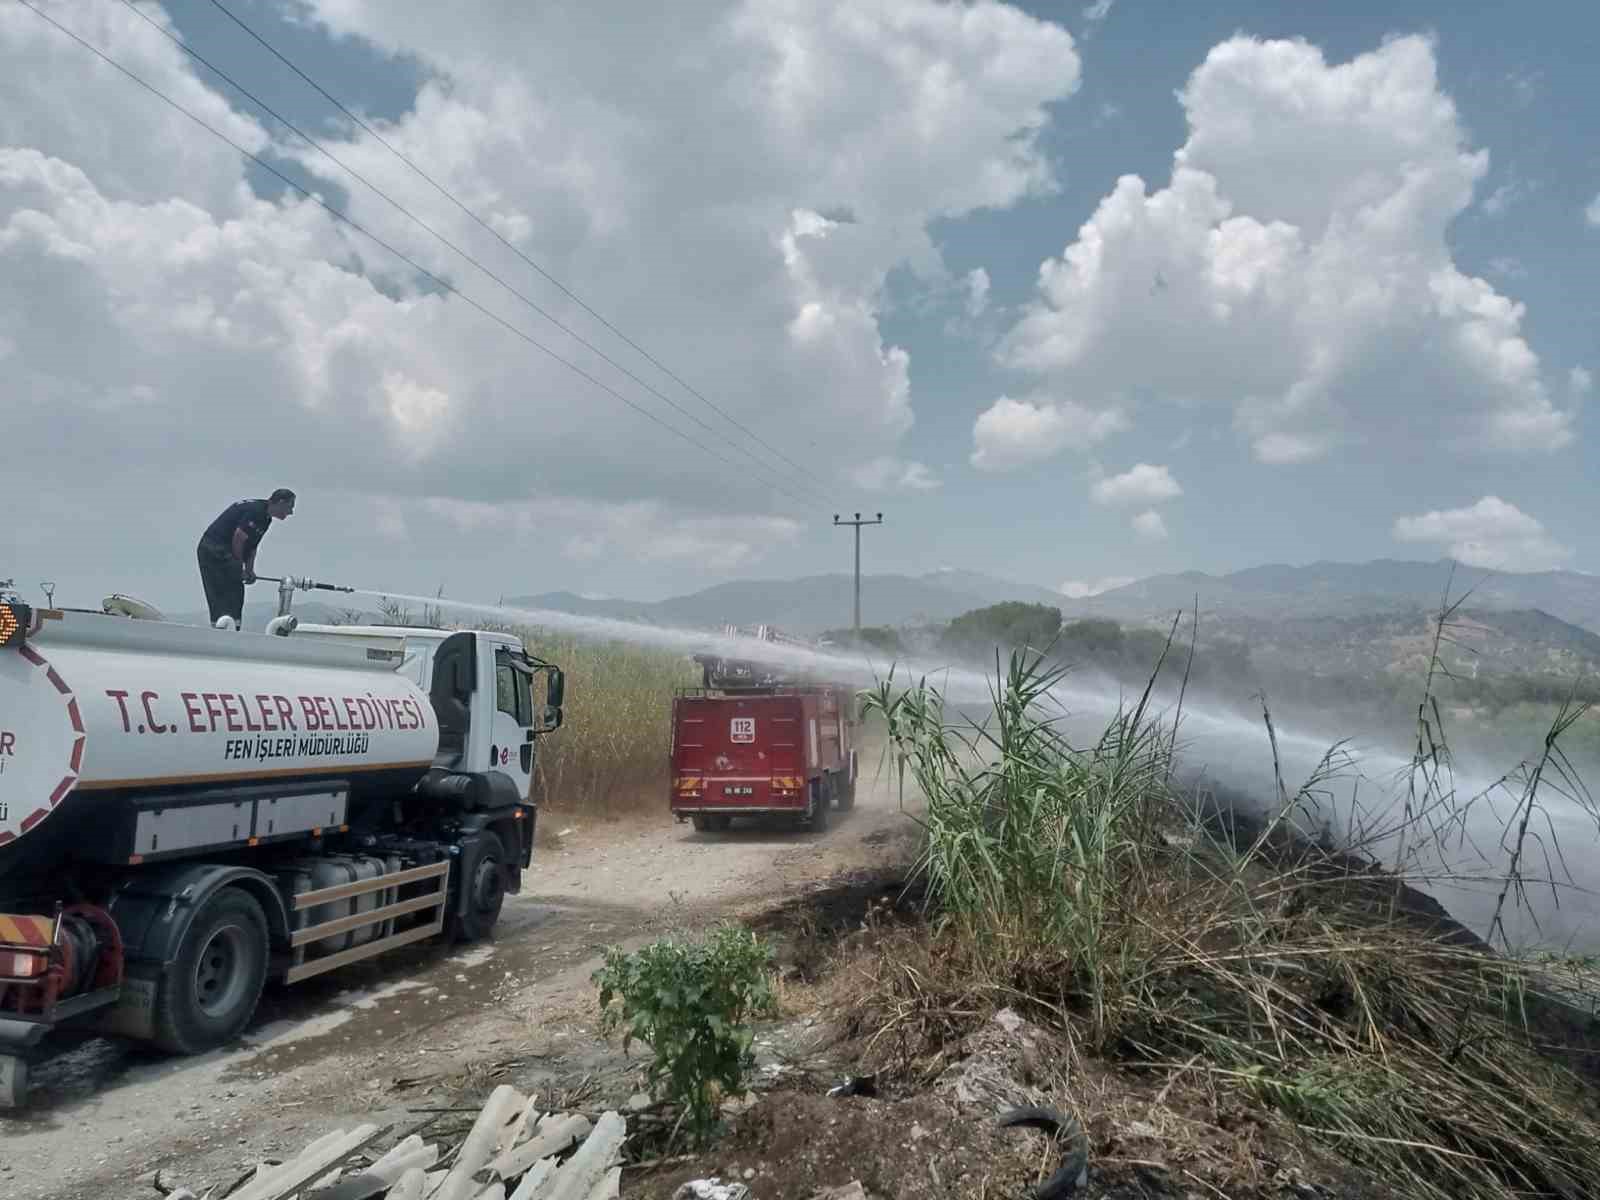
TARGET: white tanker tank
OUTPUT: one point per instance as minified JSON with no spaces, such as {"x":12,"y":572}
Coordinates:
{"x":308,"y":799}
{"x":99,"y":707}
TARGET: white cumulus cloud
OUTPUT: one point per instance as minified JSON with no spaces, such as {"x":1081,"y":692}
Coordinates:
{"x":1097,"y":12}
{"x":646,"y":530}
{"x":1140,"y":484}
{"x":1580,"y":381}
{"x":1498,"y":202}
{"x":235,"y":337}
{"x":1296,"y":268}
{"x":1016,"y":433}
{"x":1491,"y":533}
{"x":1149,"y":524}
{"x":1592,"y":213}
{"x":977,"y":282}
{"x":889,"y":474}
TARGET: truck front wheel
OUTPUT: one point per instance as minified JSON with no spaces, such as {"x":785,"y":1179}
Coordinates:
{"x":210,"y":994}
{"x":485,"y":891}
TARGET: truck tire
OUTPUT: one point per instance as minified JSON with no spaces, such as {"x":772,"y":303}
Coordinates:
{"x":846,"y":791}
{"x":821,"y":801}
{"x":711,"y":822}
{"x":485,"y":893}
{"x":210,"y":994}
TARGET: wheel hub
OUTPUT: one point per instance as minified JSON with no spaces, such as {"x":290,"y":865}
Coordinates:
{"x":218,"y":973}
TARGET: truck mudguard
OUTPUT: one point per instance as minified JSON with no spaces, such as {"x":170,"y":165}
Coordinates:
{"x":154,"y":908}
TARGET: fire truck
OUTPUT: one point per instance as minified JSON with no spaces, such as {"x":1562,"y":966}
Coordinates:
{"x":759,"y":738}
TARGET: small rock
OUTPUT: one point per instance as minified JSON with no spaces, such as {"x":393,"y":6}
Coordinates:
{"x":638,"y":1102}
{"x":749,"y":1173}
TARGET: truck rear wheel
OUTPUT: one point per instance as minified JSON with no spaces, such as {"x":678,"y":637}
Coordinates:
{"x":485,"y":891}
{"x":711,"y":822}
{"x":846,"y":792}
{"x":211,"y":993}
{"x":847,"y":786}
{"x":821,"y":801}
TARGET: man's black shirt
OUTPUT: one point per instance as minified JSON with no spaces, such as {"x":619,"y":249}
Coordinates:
{"x":250,"y":515}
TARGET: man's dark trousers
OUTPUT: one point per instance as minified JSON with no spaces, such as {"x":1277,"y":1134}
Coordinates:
{"x":223,"y":578}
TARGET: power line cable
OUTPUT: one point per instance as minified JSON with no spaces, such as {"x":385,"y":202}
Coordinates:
{"x":367,"y":233}
{"x":496,"y":234}
{"x":404,"y":211}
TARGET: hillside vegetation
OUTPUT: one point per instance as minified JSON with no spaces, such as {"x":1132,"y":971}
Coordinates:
{"x":1501,"y":674}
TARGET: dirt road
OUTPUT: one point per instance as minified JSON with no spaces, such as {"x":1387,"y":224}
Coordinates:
{"x":371,"y":1040}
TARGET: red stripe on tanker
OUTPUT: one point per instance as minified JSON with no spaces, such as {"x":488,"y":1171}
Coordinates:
{"x":125,"y":704}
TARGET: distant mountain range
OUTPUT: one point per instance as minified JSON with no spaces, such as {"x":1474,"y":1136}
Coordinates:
{"x":1349,"y":589}
{"x":810,"y":604}
{"x":1274,"y":593}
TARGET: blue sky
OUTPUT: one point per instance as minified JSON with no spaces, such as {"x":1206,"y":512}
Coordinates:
{"x":777,"y":199}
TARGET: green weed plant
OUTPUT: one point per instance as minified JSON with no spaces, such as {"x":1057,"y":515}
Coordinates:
{"x":692,"y":1003}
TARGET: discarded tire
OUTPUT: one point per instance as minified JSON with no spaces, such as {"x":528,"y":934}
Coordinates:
{"x":1074,"y":1170}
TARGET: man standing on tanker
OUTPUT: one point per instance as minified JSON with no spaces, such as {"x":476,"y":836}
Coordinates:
{"x":227,"y":551}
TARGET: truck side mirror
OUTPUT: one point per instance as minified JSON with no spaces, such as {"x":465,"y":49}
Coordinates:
{"x":557,"y":689}
{"x":551,"y":719}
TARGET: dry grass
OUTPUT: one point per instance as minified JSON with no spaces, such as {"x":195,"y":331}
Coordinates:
{"x":1075,"y":885}
{"x":610,"y":759}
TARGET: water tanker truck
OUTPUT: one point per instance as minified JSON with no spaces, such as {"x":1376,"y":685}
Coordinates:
{"x":187,"y":814}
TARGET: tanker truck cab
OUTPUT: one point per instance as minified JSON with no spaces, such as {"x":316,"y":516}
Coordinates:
{"x":482,"y":687}
{"x":187,"y":814}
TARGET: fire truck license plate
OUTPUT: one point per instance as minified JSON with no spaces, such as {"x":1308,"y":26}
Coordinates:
{"x":744,"y":729}
{"x":737,"y":791}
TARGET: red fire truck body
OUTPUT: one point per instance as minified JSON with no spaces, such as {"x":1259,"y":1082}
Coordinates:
{"x":778,"y":749}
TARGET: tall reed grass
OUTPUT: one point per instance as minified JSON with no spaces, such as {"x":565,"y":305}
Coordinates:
{"x":1080,"y":883}
{"x":611,"y":756}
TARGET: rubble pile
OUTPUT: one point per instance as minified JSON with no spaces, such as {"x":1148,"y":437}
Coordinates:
{"x":511,"y":1152}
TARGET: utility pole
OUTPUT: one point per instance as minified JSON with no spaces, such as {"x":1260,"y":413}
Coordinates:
{"x":858,"y":523}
